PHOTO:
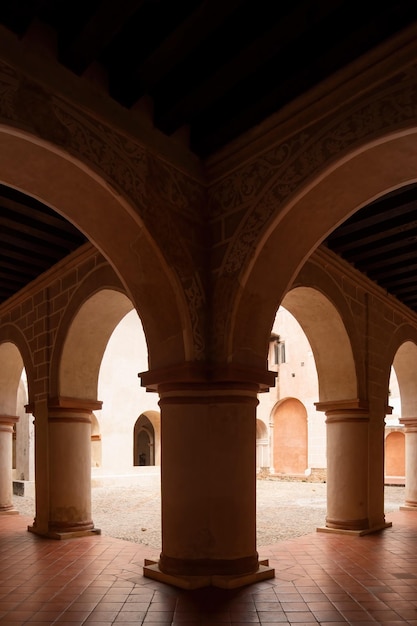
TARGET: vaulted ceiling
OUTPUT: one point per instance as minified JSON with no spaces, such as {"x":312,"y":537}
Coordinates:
{"x":216,"y":68}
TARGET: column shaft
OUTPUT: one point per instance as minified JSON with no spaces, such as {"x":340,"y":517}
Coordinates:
{"x":347,"y":470}
{"x":208,"y":485}
{"x":6,"y":460}
{"x":349,"y":464}
{"x":68,"y":461}
{"x":410,"y":431}
{"x":208,"y":474}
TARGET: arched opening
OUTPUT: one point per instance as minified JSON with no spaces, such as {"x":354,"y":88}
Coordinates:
{"x":143,"y":442}
{"x":24,"y":469}
{"x":394,"y":436}
{"x":395,"y":458}
{"x":262,"y":446}
{"x":78,"y":192}
{"x":15,"y":452}
{"x":96,"y":452}
{"x":290,"y":437}
{"x":124,"y":399}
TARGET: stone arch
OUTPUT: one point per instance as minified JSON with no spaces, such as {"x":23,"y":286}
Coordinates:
{"x":261,"y":429}
{"x":15,"y":356}
{"x":305,"y":218}
{"x":82,"y":196}
{"x":405,"y":366}
{"x":146,"y":439}
{"x":290,"y":444}
{"x":86,"y":334}
{"x":329,"y":341}
{"x":104,"y":280}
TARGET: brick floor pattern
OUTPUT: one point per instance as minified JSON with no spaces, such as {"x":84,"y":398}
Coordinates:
{"x":320,"y":578}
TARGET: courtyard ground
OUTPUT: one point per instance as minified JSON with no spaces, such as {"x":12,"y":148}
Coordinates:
{"x":131,"y":509}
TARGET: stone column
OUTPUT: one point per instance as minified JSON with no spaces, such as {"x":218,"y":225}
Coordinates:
{"x":347,"y":467}
{"x":410,"y":431}
{"x":68,"y":465}
{"x":208,"y":484}
{"x":6,"y":464}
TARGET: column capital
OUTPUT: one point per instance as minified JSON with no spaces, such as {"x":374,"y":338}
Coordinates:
{"x":8,"y":420}
{"x":342,"y":406}
{"x":410,"y":424}
{"x":205,"y":377}
{"x":74,"y":404}
{"x":63,"y":409}
{"x":63,"y":402}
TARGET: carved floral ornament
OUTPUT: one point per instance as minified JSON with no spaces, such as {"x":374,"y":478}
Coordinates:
{"x":255,"y":190}
{"x":126,"y":164}
{"x":261,"y":186}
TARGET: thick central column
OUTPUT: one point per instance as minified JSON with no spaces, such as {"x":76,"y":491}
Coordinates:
{"x":69,"y":469}
{"x":208,"y":485}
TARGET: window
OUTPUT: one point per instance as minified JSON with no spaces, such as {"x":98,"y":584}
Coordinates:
{"x":279,"y":351}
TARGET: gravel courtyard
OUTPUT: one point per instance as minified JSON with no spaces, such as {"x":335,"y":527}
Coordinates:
{"x":285,"y":509}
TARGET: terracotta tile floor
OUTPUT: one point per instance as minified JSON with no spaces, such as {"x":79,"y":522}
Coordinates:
{"x":320,"y":578}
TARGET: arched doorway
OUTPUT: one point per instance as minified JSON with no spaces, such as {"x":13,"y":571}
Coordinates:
{"x":143,"y":442}
{"x":262,"y":446}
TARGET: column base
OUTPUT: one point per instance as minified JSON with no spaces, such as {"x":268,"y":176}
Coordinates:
{"x":408,"y":507}
{"x":264,"y":572}
{"x":358,"y":533}
{"x":9,"y":512}
{"x":53,"y":534}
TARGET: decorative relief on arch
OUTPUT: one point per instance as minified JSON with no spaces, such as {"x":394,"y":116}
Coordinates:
{"x":253,"y":194}
{"x":262,"y":185}
{"x":9,"y":83}
{"x":170,"y":203}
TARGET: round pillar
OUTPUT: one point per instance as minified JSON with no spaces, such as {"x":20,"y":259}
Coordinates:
{"x":208,"y":484}
{"x":410,"y":432}
{"x":347,"y":465}
{"x":7,"y":423}
{"x":69,"y":468}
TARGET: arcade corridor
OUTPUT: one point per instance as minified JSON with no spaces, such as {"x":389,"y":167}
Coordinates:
{"x":321,"y":578}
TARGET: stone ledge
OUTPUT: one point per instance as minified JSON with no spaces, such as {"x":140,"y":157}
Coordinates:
{"x":68,"y":535}
{"x":359,"y":533}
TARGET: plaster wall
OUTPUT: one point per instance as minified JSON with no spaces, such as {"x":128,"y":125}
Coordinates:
{"x":124,"y":400}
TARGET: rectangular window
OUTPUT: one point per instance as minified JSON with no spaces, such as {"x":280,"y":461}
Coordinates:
{"x":279,"y":352}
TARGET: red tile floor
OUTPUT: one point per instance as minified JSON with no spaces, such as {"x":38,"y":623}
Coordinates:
{"x":321,"y":578}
